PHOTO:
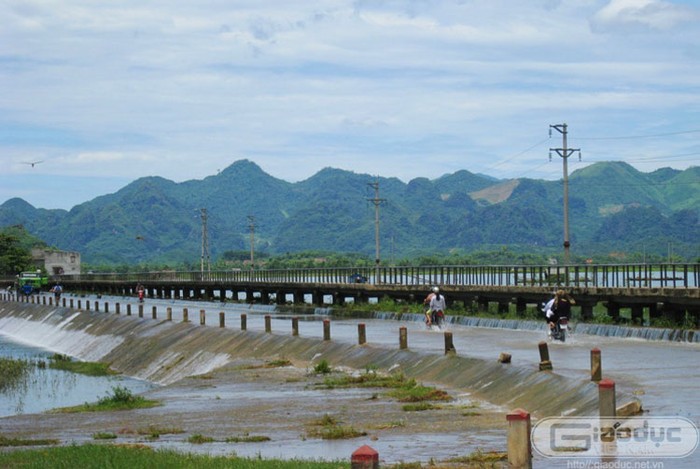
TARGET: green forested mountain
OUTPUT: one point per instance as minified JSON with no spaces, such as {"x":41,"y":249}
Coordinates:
{"x":612,"y":208}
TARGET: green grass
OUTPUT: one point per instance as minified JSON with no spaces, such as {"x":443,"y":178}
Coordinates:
{"x":419,"y":406}
{"x":322,"y":368}
{"x":369,"y":379}
{"x":12,"y":372}
{"x":330,"y":428}
{"x":414,"y":392}
{"x":482,"y":459}
{"x":64,"y":362}
{"x":99,"y":456}
{"x":120,"y":399}
{"x":7,"y":442}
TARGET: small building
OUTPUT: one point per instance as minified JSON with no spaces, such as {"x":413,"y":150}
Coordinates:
{"x":56,"y":262}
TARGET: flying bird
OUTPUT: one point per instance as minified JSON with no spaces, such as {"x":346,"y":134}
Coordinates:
{"x":33,"y":162}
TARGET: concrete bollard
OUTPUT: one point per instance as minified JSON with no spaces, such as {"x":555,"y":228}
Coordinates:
{"x":326,"y":329}
{"x":596,"y":365}
{"x":106,"y":307}
{"x":295,"y":326}
{"x":244,"y":322}
{"x":361,"y":334}
{"x":268,"y":323}
{"x":403,"y":338}
{"x":202,"y":317}
{"x":128,"y":310}
{"x":185,"y":315}
{"x":606,"y":398}
{"x":449,"y":346}
{"x":64,"y":302}
{"x":504,"y":357}
{"x":169,"y":313}
{"x":140,"y":310}
{"x":154,"y":312}
{"x":87,"y":305}
{"x":545,"y":363}
{"x":519,"y":443}
{"x":222,"y":319}
{"x":117,"y":308}
{"x":364,"y":457}
{"x":80,"y":304}
{"x":50,"y":301}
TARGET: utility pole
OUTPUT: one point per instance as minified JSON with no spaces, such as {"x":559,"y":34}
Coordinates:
{"x":251,"y":225}
{"x":205,"y":243}
{"x":377,"y":202}
{"x":565,"y":153}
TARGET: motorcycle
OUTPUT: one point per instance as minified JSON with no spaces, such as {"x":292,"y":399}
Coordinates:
{"x":437,"y":319}
{"x":561,"y":327}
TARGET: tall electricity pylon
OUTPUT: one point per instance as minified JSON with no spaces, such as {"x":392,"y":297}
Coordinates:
{"x":565,"y":153}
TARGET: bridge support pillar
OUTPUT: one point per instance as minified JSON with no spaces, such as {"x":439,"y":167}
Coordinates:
{"x":520,"y":305}
{"x":280,"y":297}
{"x":503,"y":307}
{"x":586,"y":311}
{"x":317,"y":298}
{"x":673,"y":312}
{"x":613,"y":311}
{"x":638,"y":315}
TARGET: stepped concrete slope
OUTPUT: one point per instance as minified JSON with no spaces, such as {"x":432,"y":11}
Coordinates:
{"x":165,"y":352}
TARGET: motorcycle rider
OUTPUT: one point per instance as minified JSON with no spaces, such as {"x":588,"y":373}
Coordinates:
{"x":437,"y":307}
{"x":557,"y":307}
{"x":426,"y":302}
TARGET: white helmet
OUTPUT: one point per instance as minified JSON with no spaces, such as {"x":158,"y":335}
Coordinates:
{"x":436,"y":290}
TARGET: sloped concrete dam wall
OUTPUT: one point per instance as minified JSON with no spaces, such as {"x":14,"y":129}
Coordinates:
{"x":164,"y":352}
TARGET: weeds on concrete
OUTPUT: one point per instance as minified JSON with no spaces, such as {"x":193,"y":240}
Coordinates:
{"x":121,"y":399}
{"x":64,"y":362}
{"x":329,"y":428}
{"x":5,"y":441}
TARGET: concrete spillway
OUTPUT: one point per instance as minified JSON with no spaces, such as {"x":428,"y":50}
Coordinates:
{"x":164,"y":352}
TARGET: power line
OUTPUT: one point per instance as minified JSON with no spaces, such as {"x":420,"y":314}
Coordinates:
{"x":629,"y":137}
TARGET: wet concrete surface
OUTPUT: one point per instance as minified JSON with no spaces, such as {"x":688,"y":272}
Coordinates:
{"x":225,"y":403}
{"x":283,"y":404}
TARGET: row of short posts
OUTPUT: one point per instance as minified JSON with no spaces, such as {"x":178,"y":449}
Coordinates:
{"x":519,"y":445}
{"x":519,"y":442}
{"x":361,"y":328}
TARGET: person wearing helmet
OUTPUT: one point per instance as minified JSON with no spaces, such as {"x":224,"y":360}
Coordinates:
{"x":437,"y":308}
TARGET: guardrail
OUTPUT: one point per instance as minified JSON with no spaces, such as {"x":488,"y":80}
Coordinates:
{"x":662,"y":275}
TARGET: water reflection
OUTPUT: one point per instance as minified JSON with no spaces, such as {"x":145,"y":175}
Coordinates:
{"x":41,"y":388}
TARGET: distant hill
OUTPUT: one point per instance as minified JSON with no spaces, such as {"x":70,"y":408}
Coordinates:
{"x":612,"y":207}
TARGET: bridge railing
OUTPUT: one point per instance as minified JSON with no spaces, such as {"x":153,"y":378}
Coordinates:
{"x":661,"y":275}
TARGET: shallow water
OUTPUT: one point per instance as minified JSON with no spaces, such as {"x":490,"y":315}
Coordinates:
{"x":44,"y":388}
{"x":663,"y":375}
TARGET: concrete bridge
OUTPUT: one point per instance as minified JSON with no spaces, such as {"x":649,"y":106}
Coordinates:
{"x":665,"y":290}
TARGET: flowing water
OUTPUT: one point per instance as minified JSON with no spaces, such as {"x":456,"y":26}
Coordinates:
{"x":652,"y":365}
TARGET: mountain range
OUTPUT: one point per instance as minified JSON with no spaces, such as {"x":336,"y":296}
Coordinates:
{"x":612,"y":208}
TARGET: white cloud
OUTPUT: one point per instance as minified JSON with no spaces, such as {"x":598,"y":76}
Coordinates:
{"x":656,"y":14}
{"x":182,"y":89}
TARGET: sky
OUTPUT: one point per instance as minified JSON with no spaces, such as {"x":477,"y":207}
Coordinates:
{"x":101,"y":93}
